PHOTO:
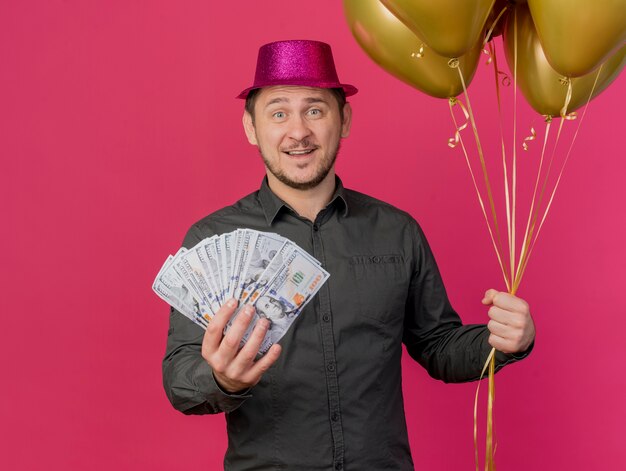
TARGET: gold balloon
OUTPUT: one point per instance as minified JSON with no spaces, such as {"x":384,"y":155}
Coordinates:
{"x":449,"y":27}
{"x":395,"y":48}
{"x":578,"y":35}
{"x":541,"y":85}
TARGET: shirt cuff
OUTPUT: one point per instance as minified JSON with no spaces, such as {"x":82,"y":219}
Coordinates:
{"x":506,"y":358}
{"x":214,"y":394}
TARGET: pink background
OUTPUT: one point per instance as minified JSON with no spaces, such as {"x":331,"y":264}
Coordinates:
{"x":118,"y":129}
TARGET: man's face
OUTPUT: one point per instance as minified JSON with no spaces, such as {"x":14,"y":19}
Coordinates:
{"x":297,"y":131}
{"x":269,"y":307}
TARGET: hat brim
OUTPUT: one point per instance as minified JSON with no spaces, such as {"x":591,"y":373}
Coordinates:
{"x":349,"y":90}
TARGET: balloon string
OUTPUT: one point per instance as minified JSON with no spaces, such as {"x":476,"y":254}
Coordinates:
{"x":530,"y":228}
{"x":489,"y":459}
{"x":522,"y":263}
{"x":497,"y":72}
{"x":506,"y":80}
{"x":490,"y":450}
{"x":453,"y":102}
{"x":487,"y":364}
{"x":568,"y":96}
{"x":514,"y":171}
{"x":569,"y":151}
{"x":454,"y":63}
{"x":531,"y":137}
{"x":454,"y":141}
{"x":502,"y":143}
{"x":493,"y":26}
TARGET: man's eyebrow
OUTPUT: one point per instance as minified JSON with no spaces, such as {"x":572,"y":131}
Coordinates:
{"x":309,"y":100}
{"x":315,"y":99}
{"x":276,"y":100}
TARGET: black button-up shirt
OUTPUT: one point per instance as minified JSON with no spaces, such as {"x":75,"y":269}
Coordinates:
{"x":333,"y":400}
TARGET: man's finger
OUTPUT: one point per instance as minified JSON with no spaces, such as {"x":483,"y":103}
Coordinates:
{"x":510,"y":302}
{"x":249,"y":351}
{"x":496,"y":328}
{"x":215,"y":329}
{"x":489,"y":295}
{"x":262,"y":365}
{"x":232,"y":339}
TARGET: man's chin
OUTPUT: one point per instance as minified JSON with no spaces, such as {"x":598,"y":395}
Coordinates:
{"x":303,"y":183}
{"x":300,"y":180}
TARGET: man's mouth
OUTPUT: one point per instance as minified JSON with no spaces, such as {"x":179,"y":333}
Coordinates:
{"x":298,"y":152}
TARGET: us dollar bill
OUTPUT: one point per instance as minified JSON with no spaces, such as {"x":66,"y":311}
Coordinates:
{"x":170,"y":287}
{"x":286,"y":294}
{"x":260,"y":255}
{"x":189,"y":267}
{"x":259,"y":268}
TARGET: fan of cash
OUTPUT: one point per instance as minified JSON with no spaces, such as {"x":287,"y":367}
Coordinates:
{"x":264,"y":269}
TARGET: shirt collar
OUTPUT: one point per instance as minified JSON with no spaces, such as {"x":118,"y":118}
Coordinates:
{"x":272,"y":204}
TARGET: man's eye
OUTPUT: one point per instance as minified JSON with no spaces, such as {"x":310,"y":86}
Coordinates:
{"x":279,"y":115}
{"x":315,"y":112}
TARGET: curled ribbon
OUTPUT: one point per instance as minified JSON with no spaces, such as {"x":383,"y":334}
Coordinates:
{"x":420,"y":53}
{"x":504,"y":78}
{"x":453,"y":63}
{"x":490,"y":59}
{"x":532,"y":137}
{"x":568,"y":97}
{"x":453,"y":141}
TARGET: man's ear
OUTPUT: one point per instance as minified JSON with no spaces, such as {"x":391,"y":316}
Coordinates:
{"x":248,"y":127}
{"x":347,"y":120}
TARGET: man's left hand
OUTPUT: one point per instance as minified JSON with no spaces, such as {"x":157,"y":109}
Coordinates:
{"x":511,"y":325}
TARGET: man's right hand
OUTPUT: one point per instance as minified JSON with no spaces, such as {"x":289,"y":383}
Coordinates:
{"x":235,"y":370}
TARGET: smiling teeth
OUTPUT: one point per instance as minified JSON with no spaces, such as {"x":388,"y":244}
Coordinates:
{"x":300,"y":152}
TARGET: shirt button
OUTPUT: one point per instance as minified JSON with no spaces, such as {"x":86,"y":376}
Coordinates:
{"x":326,"y":318}
{"x":330,"y":367}
{"x":316,"y":227}
{"x":376,"y":259}
{"x":338,"y":465}
{"x":334,"y":417}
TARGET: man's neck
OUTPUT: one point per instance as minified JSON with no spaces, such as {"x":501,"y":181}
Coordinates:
{"x":307,"y":203}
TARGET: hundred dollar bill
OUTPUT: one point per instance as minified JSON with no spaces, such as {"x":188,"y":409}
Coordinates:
{"x":211,"y":270}
{"x":214,"y":260}
{"x":262,"y":252}
{"x":282,"y":300}
{"x":208,"y":275}
{"x":170,"y":287}
{"x":222,"y":246}
{"x":255,"y":289}
{"x":274,"y":265}
{"x":231,"y":259}
{"x":189,"y":267}
{"x":242,"y":259}
{"x":244,"y":264}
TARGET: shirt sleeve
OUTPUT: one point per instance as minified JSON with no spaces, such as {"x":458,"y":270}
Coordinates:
{"x":433,"y":332}
{"x":187,"y":378}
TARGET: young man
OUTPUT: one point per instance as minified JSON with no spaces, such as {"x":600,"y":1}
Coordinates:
{"x":330,"y":396}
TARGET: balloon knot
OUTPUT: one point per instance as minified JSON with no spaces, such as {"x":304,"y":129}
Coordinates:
{"x":453,"y":63}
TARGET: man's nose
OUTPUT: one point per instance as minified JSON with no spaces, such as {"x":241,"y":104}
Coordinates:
{"x":298,"y":128}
